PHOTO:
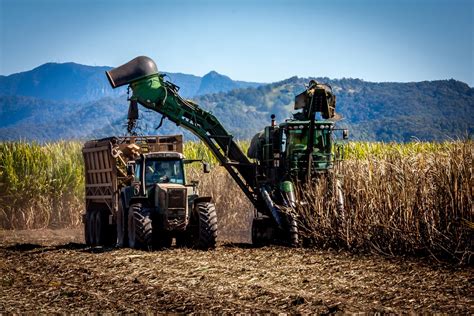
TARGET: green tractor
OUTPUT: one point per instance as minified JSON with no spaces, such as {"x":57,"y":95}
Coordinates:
{"x":296,"y":152}
{"x":162,"y":207}
{"x":137,"y":195}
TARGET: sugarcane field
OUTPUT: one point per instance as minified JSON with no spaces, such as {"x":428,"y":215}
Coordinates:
{"x":50,"y":269}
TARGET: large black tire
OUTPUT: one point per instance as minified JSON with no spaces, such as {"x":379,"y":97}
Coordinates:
{"x":98,"y":228}
{"x":294,"y":237}
{"x":140,"y":232}
{"x":104,"y":233}
{"x":88,"y":228}
{"x":206,"y":218}
{"x":97,"y":231}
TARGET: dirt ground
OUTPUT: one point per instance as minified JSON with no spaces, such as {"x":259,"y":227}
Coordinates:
{"x":53,"y":271}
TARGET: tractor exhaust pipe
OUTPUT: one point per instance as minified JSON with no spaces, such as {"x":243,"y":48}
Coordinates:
{"x":136,"y":69}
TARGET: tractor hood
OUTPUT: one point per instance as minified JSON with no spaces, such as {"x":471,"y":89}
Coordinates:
{"x":165,"y":186}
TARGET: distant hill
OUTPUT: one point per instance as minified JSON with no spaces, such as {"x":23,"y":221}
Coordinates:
{"x":41,"y":110}
{"x":73,"y":82}
{"x":214,"y":82}
{"x":429,"y":110}
{"x":60,"y":82}
{"x":43,"y":120}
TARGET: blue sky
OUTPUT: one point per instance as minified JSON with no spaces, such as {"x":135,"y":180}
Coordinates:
{"x":376,"y":40}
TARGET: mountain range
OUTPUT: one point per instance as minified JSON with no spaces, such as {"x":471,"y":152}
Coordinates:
{"x":72,"y":101}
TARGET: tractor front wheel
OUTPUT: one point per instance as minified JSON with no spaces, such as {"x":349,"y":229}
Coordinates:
{"x":206,"y":222}
{"x":139,"y":227}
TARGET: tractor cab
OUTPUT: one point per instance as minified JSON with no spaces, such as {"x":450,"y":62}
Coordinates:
{"x":163,"y":171}
{"x":158,"y":168}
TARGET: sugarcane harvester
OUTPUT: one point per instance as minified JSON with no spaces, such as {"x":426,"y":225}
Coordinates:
{"x":290,"y":153}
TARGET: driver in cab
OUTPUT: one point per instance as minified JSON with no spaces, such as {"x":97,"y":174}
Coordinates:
{"x":158,"y":173}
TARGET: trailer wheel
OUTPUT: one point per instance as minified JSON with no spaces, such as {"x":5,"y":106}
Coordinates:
{"x":206,"y":219}
{"x":98,"y":228}
{"x":88,"y":229}
{"x":139,"y":227}
{"x":104,"y":234}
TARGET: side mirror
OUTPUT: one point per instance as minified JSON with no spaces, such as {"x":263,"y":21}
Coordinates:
{"x":130,"y":170}
{"x":345,"y":134}
{"x":206,"y":168}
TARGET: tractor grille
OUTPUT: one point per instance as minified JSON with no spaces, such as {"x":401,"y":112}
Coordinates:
{"x":176,"y":215}
{"x":177,"y":199}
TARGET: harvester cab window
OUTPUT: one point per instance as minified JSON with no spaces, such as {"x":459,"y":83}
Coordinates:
{"x":319,"y":142}
{"x":164,"y":171}
{"x":298,"y":141}
{"x":283,"y":142}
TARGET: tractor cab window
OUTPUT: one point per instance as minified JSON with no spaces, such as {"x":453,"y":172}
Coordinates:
{"x":138,"y":171}
{"x":164,"y":171}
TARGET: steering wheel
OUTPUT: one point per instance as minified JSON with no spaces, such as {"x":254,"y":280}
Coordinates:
{"x":164,"y":179}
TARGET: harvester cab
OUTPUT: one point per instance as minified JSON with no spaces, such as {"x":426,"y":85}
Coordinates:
{"x":297,"y":137}
{"x":296,"y":152}
{"x":301,"y":148}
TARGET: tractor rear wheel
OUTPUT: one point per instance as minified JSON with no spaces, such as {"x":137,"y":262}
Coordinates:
{"x":139,"y":227}
{"x":206,"y":218}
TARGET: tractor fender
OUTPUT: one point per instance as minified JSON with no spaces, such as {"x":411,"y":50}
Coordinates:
{"x":202,"y":199}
